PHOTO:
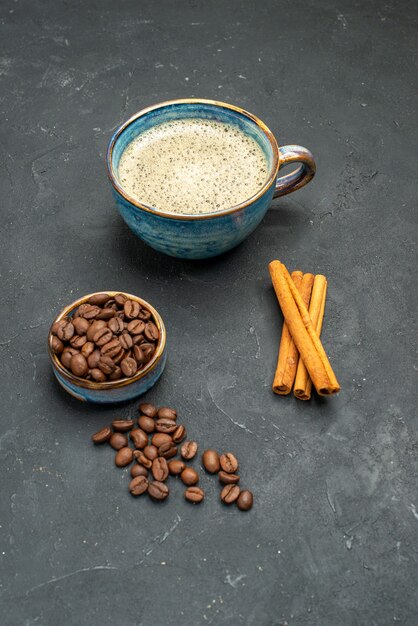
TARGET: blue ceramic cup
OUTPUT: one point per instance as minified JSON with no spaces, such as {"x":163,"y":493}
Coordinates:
{"x":207,"y":234}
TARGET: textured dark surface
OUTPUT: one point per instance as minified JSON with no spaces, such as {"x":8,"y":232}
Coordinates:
{"x":332,"y":538}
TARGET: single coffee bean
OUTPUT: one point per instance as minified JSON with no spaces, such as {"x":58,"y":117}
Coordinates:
{"x":81,"y":325}
{"x":136,"y":327}
{"x":194,"y":494}
{"x":145,"y":408}
{"x":65,"y":331}
{"x":111,"y":348}
{"x":245,"y":500}
{"x":166,"y":412}
{"x":56,"y":345}
{"x":229,"y":494}
{"x":142,"y":459}
{"x":159,"y":438}
{"x":228,"y":463}
{"x":167,"y":450}
{"x":66,"y":356}
{"x":94,"y":358}
{"x":103,"y":336}
{"x":89,"y":311}
{"x":139,"y":355}
{"x":87,"y":349}
{"x":56,"y":325}
{"x":138,"y":339}
{"x":151,"y":332}
{"x":122,"y":425}
{"x":144,"y":314}
{"x":188,"y":450}
{"x":118,"y":441}
{"x":125,"y":341}
{"x":138,"y":470}
{"x":119,"y":356}
{"x":106,"y":314}
{"x":99,"y":299}
{"x":102,"y":435}
{"x":78,"y":341}
{"x":176,"y":467}
{"x":116,"y":325}
{"x":179,"y":434}
{"x":165,"y":426}
{"x":116,"y":374}
{"x":123,"y":457}
{"x":139,"y":438}
{"x":228,"y":479}
{"x":158,"y":491}
{"x":138,"y":485}
{"x":148,"y":350}
{"x":94,"y":327}
{"x":151,"y":452}
{"x":189,"y":476}
{"x":146,"y":423}
{"x":106,"y":365}
{"x":97,"y":375}
{"x":131,"y":308}
{"x":160,"y":469}
{"x":78,"y":365}
{"x":128,"y":366}
{"x":120,"y":299}
{"x":210,"y":460}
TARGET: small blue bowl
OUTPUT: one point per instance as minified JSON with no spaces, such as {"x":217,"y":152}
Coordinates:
{"x":206,"y":234}
{"x":118,"y":390}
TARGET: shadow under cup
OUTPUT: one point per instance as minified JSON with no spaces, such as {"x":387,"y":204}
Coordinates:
{"x":194,"y":236}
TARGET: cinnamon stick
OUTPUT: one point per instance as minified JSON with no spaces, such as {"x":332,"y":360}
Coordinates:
{"x":288,"y":358}
{"x":300,"y":326}
{"x":303,"y":382}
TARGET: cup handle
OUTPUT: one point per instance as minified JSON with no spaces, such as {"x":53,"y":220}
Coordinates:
{"x":301,"y":175}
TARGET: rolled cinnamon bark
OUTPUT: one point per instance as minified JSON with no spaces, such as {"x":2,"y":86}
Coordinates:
{"x":300,"y":326}
{"x":303,"y":382}
{"x":288,"y":358}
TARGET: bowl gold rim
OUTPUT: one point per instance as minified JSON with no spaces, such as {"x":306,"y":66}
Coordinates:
{"x":111,"y":384}
{"x":201,"y":216}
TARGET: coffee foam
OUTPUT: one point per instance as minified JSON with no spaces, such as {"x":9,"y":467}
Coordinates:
{"x":192,"y":166}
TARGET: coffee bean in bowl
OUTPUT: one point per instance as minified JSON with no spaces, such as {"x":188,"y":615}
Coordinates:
{"x":109,"y":347}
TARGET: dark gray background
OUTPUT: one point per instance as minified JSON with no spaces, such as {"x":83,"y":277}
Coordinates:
{"x":332,"y":538}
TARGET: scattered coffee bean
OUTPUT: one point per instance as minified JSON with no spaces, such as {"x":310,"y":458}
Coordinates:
{"x":138,"y":485}
{"x":146,"y":423}
{"x":159,"y":438}
{"x":142,"y":459}
{"x":210,"y":460}
{"x":114,"y":329}
{"x":228,"y":479}
{"x":139,"y":438}
{"x":189,"y":476}
{"x":159,"y":469}
{"x":118,"y":441}
{"x":188,"y":450}
{"x":102,"y":435}
{"x":123,"y":457}
{"x":176,"y":467}
{"x":245,"y":500}
{"x":179,"y":434}
{"x":151,"y":452}
{"x":122,"y":426}
{"x":166,"y":412}
{"x":229,"y":494}
{"x":167,"y":450}
{"x":164,"y":425}
{"x":158,"y":491}
{"x":138,"y":470}
{"x":194,"y":494}
{"x":148,"y":409}
{"x":228,"y":463}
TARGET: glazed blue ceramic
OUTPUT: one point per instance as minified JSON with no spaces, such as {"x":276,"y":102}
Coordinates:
{"x":111,"y":391}
{"x":208,"y":234}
